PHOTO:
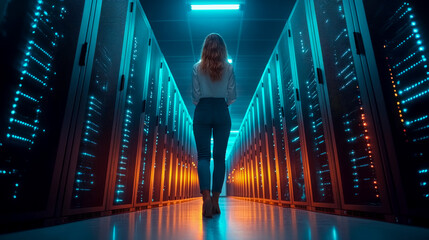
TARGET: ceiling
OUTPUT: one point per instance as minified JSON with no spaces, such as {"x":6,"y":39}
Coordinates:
{"x":250,"y":33}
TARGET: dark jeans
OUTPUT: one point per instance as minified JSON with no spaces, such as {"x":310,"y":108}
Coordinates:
{"x":211,"y":113}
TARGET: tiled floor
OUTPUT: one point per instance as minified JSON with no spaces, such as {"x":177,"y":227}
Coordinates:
{"x":239,"y":220}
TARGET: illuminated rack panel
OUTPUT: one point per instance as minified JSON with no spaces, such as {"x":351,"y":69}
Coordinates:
{"x":99,"y":109}
{"x":169,"y":143}
{"x":311,"y":107}
{"x":261,"y":145}
{"x":253,"y":157}
{"x":149,"y":129}
{"x":93,"y":133}
{"x":34,"y":89}
{"x":178,"y":164}
{"x":399,"y":34}
{"x":243,"y":166}
{"x":277,"y":98}
{"x":181,"y":151}
{"x":133,"y":104}
{"x":270,"y":144}
{"x":248,"y":163}
{"x":291,"y":122}
{"x":160,"y":133}
{"x":256,"y":148}
{"x":175,"y":147}
{"x":250,"y":160}
{"x":349,"y":116}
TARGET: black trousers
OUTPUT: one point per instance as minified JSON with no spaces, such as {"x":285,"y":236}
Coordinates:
{"x":211,"y":114}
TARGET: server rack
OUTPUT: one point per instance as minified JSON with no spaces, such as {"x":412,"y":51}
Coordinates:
{"x":269,"y":143}
{"x":93,"y":137}
{"x":395,"y":65}
{"x":283,"y":167}
{"x":359,"y":167}
{"x":293,"y":128}
{"x":157,"y":157}
{"x":86,"y":145}
{"x":169,"y":143}
{"x":315,"y":132}
{"x":352,"y":82}
{"x":33,"y":101}
{"x":249,"y":163}
{"x":122,"y":183}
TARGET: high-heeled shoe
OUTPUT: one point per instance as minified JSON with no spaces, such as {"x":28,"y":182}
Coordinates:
{"x":215,"y":203}
{"x":207,"y":204}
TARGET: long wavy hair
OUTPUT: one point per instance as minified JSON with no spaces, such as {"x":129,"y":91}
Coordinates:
{"x":213,"y":56}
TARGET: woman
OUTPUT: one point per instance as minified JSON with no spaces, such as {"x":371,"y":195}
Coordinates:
{"x":213,"y":90}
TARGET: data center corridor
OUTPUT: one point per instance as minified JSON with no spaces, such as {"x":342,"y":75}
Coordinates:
{"x":240,"y":220}
{"x":329,"y":133}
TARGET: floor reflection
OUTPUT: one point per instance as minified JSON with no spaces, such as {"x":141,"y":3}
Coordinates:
{"x":239,"y":220}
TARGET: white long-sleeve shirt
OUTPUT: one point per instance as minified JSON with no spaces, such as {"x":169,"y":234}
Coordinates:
{"x":203,"y":86}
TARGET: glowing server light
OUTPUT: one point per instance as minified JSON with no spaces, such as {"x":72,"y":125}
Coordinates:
{"x":216,"y":7}
{"x":229,"y":60}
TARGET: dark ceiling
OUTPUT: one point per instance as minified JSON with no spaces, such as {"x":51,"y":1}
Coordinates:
{"x":250,"y":34}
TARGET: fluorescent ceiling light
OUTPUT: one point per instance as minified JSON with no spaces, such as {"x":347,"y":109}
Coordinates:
{"x":216,"y":7}
{"x":229,"y":60}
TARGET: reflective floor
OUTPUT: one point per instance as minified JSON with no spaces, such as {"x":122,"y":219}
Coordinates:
{"x":239,"y":220}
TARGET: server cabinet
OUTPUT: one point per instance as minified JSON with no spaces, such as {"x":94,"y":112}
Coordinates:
{"x":91,"y":154}
{"x":318,"y":165}
{"x":246,"y":159}
{"x":359,"y":167}
{"x":239,"y":164}
{"x":181,"y":151}
{"x":270,"y":144}
{"x":255,"y":149}
{"x":292,"y":127}
{"x":394,"y":40}
{"x":127,"y":148}
{"x":175,"y":151}
{"x":189,"y":162}
{"x":282,"y":168}
{"x":259,"y":115}
{"x":178,"y":152}
{"x":243,"y":165}
{"x":149,"y":132}
{"x":249,"y":159}
{"x":185,"y":157}
{"x":249,"y":149}
{"x":38,"y":44}
{"x":169,"y":142}
{"x":159,"y":146}
{"x":254,"y":157}
{"x":155,"y":78}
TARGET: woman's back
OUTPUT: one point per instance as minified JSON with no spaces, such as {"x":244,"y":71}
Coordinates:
{"x":203,"y":86}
